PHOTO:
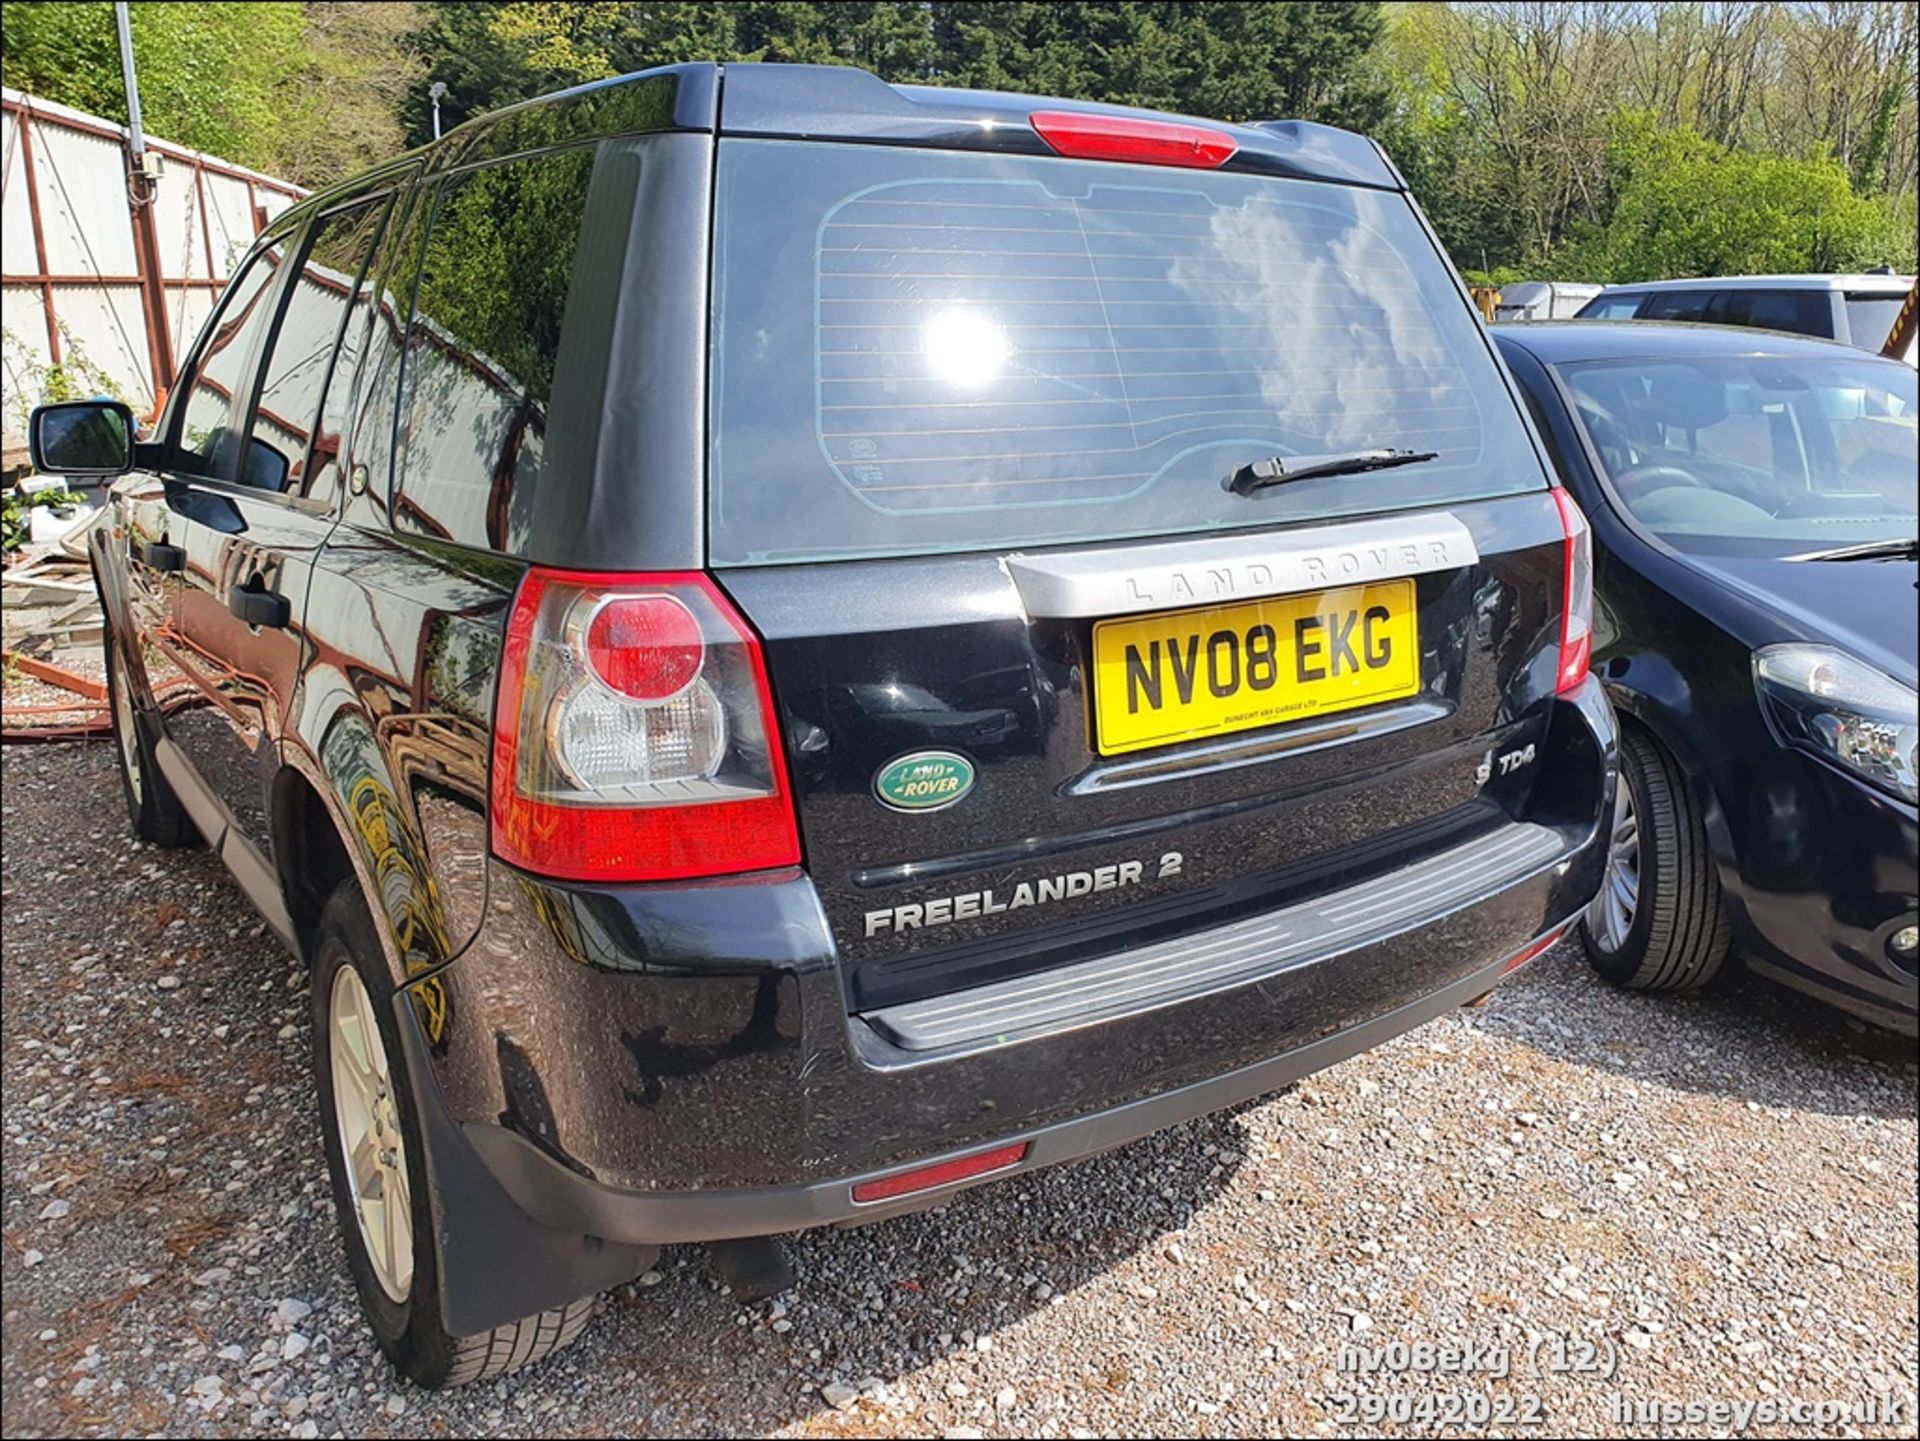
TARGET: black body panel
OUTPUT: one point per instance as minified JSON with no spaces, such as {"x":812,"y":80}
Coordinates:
{"x":1818,"y":867}
{"x":870,"y":661}
{"x":604,"y":1068}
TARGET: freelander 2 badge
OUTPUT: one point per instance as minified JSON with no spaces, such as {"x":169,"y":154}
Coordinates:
{"x":923,"y":781}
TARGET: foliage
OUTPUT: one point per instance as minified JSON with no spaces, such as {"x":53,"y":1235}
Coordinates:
{"x":14,"y":507}
{"x":31,"y":383}
{"x":1522,"y":126}
{"x":1684,"y":205}
{"x":1236,"y":61}
{"x":306,"y":91}
{"x":1594,"y":140}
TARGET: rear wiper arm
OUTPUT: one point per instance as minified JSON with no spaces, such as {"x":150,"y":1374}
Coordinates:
{"x":1907,"y":549}
{"x":1278,"y":469}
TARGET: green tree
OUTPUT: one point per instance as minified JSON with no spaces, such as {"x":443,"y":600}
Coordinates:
{"x":305,"y":91}
{"x":209,"y":75}
{"x":1682,"y":204}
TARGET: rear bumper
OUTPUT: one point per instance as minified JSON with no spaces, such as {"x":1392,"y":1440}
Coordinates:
{"x":566,"y":1201}
{"x":617,"y":1081}
{"x":1825,"y":869}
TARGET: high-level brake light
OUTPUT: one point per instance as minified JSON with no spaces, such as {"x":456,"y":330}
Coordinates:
{"x":1086,"y":136}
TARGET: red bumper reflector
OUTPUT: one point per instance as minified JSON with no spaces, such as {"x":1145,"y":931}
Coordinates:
{"x":906,"y":1183}
{"x":1534,"y":948}
{"x":1122,"y":137}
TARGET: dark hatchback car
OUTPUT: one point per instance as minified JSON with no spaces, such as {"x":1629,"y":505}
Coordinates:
{"x":787,"y":645}
{"x":1752,"y":497}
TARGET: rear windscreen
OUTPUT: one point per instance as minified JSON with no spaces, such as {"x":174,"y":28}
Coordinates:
{"x":921,"y":351}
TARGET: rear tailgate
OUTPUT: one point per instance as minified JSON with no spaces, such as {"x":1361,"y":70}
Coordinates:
{"x":1049,"y":688}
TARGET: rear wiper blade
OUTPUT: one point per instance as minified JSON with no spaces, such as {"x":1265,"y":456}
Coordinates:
{"x":1278,"y":469}
{"x":1908,"y":549}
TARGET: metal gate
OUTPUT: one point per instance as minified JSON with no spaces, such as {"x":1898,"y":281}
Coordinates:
{"x":98,"y":294}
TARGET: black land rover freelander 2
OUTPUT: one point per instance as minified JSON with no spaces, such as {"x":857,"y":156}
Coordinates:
{"x":785,"y":645}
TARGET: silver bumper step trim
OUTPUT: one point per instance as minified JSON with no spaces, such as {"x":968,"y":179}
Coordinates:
{"x":1184,"y":968}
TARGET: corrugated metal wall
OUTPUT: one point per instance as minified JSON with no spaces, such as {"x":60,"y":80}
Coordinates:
{"x":74,"y":290}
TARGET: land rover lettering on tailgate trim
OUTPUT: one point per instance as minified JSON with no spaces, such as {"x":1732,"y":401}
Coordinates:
{"x":784,"y":645}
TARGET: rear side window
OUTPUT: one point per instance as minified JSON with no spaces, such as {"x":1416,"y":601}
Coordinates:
{"x":1804,"y":312}
{"x":481,"y":350}
{"x":921,"y":351}
{"x":295,"y":438}
{"x":1675,"y":305}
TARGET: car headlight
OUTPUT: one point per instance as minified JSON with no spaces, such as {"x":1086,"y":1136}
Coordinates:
{"x":1825,"y":699}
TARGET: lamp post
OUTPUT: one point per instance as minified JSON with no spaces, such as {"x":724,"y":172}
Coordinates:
{"x":434,"y":92}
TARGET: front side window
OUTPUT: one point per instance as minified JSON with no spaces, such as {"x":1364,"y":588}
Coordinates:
{"x":1756,"y":455}
{"x":924,"y":351}
{"x":483,"y":344}
{"x":205,"y":444}
{"x":295,"y":437}
{"x":1611,"y":307}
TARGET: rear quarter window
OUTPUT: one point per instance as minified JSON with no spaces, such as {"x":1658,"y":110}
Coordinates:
{"x":1803,"y":312}
{"x":921,"y":351}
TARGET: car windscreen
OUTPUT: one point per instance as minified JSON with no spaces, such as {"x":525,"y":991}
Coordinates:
{"x":1870,"y":318}
{"x":1755,"y":455}
{"x":927,"y":351}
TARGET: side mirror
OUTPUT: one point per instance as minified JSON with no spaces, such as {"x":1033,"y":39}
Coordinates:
{"x":81,"y":437}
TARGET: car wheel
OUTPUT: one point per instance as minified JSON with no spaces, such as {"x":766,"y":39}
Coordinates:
{"x":377,"y":1160}
{"x":154,"y":809}
{"x":1658,"y":923}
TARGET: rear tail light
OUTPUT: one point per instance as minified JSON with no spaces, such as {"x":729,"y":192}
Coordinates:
{"x":1087,"y":136}
{"x":634,"y":734}
{"x":943,"y":1173}
{"x":1576,"y":611}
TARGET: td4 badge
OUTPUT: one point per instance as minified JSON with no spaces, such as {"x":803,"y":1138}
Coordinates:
{"x":1505,"y":763}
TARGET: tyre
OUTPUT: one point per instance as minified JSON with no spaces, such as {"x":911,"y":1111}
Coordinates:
{"x":153,"y":808}
{"x":1658,"y":923}
{"x":377,"y":1161}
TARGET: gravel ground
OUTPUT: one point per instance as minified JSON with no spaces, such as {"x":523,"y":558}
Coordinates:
{"x":1717,"y":1191}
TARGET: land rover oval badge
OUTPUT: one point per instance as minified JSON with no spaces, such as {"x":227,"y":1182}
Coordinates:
{"x":923,"y":781}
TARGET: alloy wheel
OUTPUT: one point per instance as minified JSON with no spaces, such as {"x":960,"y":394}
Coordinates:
{"x":369,"y":1137}
{"x":1610,"y":916}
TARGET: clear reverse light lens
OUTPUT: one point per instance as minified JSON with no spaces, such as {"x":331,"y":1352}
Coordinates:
{"x":1846,"y":709}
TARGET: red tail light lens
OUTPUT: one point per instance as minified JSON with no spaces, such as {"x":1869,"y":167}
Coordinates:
{"x":1125,"y":137}
{"x":634,"y":734}
{"x":1576,"y":614}
{"x":648,"y":647}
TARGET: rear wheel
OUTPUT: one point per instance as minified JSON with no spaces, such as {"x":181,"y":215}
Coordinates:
{"x":377,"y":1160}
{"x":1658,"y":923}
{"x":152,"y":807}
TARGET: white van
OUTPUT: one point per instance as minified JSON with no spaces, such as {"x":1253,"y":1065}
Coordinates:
{"x":1857,"y":309}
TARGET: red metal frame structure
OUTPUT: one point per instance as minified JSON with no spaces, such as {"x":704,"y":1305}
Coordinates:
{"x":149,"y":275}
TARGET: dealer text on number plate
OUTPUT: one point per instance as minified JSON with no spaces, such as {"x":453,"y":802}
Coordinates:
{"x":1191,"y":674}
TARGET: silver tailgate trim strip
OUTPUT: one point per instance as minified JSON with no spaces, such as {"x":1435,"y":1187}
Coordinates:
{"x":1122,"y":580}
{"x":1187,"y":967}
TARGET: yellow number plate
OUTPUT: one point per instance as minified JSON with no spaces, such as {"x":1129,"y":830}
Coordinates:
{"x":1197,"y":673}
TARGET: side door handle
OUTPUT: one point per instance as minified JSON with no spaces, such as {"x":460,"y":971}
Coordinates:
{"x":260,"y":607}
{"x":158,"y":555}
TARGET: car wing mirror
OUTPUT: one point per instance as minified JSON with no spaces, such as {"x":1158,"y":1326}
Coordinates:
{"x":81,"y":437}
